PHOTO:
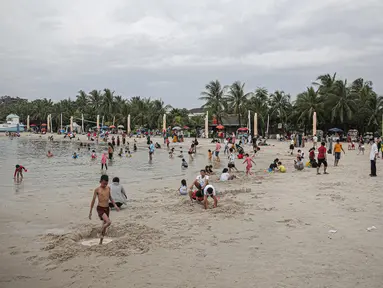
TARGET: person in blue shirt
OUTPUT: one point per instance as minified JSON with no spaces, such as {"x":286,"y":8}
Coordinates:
{"x":151,"y":150}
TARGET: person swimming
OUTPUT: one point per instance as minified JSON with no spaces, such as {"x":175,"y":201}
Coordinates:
{"x":135,"y":147}
{"x":75,"y":155}
{"x":49,"y":154}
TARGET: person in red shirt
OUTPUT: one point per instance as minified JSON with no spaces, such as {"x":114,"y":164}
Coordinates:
{"x":19,"y":171}
{"x":322,"y":158}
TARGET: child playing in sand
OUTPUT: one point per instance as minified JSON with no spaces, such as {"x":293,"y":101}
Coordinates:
{"x":103,"y":196}
{"x":281,"y":168}
{"x":103,"y":162}
{"x":19,"y":171}
{"x":249,"y":162}
{"x":273,"y":166}
{"x":183,"y":189}
{"x":209,"y":191}
{"x":209,"y":155}
{"x":298,"y":164}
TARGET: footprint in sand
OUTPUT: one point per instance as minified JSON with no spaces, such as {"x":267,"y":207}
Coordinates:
{"x":93,"y":242}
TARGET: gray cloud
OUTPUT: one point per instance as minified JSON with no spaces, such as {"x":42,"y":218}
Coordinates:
{"x":169,"y":49}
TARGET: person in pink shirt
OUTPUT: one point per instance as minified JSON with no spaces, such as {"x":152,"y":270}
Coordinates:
{"x":217,"y":149}
{"x":249,"y":162}
{"x":103,"y":162}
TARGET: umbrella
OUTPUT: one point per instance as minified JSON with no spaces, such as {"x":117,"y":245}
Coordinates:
{"x":243,"y":129}
{"x":120,"y":126}
{"x":112,"y":126}
{"x":186,"y":127}
{"x":220,"y":127}
{"x":177,"y":128}
{"x":33,"y":125}
{"x":104,"y":127}
{"x":336,"y":130}
{"x":43,"y":124}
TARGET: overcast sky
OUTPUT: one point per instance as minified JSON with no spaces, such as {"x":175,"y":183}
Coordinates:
{"x":170,"y":49}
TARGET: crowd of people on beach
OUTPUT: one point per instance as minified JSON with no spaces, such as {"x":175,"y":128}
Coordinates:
{"x":201,"y":188}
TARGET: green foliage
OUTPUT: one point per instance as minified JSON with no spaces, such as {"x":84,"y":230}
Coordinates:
{"x":337,"y":104}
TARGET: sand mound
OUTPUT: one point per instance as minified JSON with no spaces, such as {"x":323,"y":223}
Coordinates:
{"x":121,"y":240}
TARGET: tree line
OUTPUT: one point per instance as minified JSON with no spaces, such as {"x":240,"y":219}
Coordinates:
{"x":144,"y":112}
{"x":337,"y":103}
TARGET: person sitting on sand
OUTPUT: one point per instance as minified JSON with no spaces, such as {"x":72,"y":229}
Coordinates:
{"x":298,"y":164}
{"x":118,"y":193}
{"x":274,"y":166}
{"x":103,"y":196}
{"x":281,"y":168}
{"x":200,"y":183}
{"x":225,"y":176}
{"x":19,"y":171}
{"x":183,"y":189}
{"x":184,"y":164}
{"x":209,"y":191}
{"x":49,"y":154}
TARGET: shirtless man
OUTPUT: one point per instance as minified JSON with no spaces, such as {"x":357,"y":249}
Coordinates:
{"x":103,"y":195}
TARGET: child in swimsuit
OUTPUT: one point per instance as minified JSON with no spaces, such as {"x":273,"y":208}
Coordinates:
{"x":103,"y":162}
{"x":248,"y":161}
{"x":19,"y":171}
{"x":93,"y":156}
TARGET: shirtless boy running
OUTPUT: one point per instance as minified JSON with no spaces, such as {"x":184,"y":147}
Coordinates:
{"x":103,"y":195}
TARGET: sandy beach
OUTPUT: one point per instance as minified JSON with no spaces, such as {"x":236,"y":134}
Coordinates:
{"x":296,"y":229}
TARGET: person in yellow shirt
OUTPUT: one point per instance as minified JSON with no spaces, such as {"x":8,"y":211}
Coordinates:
{"x":281,"y":168}
{"x":337,"y":152}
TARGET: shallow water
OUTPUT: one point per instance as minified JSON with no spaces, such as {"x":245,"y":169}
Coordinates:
{"x":62,"y":185}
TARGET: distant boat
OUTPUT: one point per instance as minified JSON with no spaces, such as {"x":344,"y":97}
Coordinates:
{"x":12,"y":124}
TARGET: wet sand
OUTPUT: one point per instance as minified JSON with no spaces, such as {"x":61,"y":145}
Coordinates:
{"x":269,"y":230}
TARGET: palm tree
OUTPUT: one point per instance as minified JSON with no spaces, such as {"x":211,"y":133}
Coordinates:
{"x":325,"y":84}
{"x":307,"y":103}
{"x":95,"y":98}
{"x":280,"y":106}
{"x":108,"y":106}
{"x":375,"y":106}
{"x":237,"y":98}
{"x":342,"y":101}
{"x":214,"y":99}
{"x":258,"y":104}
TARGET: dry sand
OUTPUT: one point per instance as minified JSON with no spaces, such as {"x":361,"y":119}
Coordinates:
{"x":270,"y":230}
